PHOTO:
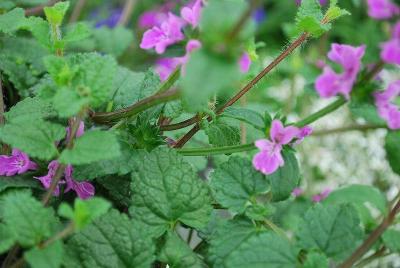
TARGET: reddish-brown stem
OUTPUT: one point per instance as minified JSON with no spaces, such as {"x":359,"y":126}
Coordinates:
{"x":373,"y":237}
{"x":182,"y":141}
{"x":180,"y":125}
{"x":77,"y":11}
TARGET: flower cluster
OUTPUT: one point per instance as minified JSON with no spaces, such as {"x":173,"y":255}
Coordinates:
{"x":269,"y":159}
{"x":384,"y":101}
{"x":330,"y":83}
{"x":382,"y":9}
{"x":391,"y":49}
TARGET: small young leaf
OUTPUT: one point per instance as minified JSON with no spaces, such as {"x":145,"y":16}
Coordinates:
{"x":93,"y":146}
{"x":48,"y":257}
{"x":236,"y":184}
{"x":56,"y":13}
{"x":78,"y":32}
{"x":309,"y":18}
{"x":391,"y":239}
{"x":110,"y":241}
{"x":316,"y":260}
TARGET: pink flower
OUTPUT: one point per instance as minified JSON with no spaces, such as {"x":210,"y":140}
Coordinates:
{"x":166,"y":66}
{"x":17,"y":163}
{"x":391,"y":49}
{"x":330,"y":83}
{"x":79,"y":132}
{"x":269,"y":159}
{"x":192,"y":15}
{"x":84,"y":190}
{"x":161,"y":37}
{"x":151,"y":18}
{"x":382,"y":9}
{"x":303,"y":133}
{"x":297,"y":192}
{"x":386,"y":108}
{"x":322,"y":196}
{"x":245,"y":62}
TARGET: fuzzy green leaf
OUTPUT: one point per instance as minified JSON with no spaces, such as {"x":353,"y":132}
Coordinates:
{"x":56,"y":13}
{"x":316,"y":260}
{"x":48,"y":257}
{"x":222,"y":134}
{"x":12,"y":21}
{"x":335,"y":230}
{"x":391,"y":239}
{"x":18,"y":181}
{"x":29,"y":109}
{"x":110,"y":241}
{"x":93,"y":146}
{"x":245,"y":115}
{"x":236,"y":184}
{"x":7,"y":238}
{"x":113,"y":41}
{"x":165,"y":190}
{"x":35,"y":137}
{"x":392,"y":147}
{"x":309,"y":18}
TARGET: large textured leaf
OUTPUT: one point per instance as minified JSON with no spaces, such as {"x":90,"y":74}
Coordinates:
{"x":176,"y":253}
{"x":110,"y":241}
{"x":7,"y":238}
{"x":26,"y":219}
{"x":48,"y":257}
{"x":12,"y":21}
{"x":335,"y":230}
{"x":236,"y":184}
{"x":35,"y":137}
{"x":392,"y":147}
{"x":93,"y":146}
{"x":29,"y":109}
{"x":246,"y":115}
{"x":126,"y":87}
{"x":391,"y":239}
{"x":19,"y":181}
{"x":166,"y":189}
{"x":285,"y":179}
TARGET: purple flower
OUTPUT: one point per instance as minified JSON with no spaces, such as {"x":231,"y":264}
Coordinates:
{"x":322,"y":196}
{"x":79,"y":132}
{"x":160,"y":37}
{"x":386,"y":108}
{"x":112,"y":20}
{"x":192,"y":14}
{"x":17,"y":163}
{"x":151,"y":18}
{"x":259,"y":15}
{"x":84,"y":190}
{"x":245,"y":62}
{"x":166,"y":66}
{"x":303,"y":133}
{"x":330,"y":83}
{"x":382,"y":9}
{"x":269,"y":159}
{"x":297,"y":192}
{"x":391,"y":49}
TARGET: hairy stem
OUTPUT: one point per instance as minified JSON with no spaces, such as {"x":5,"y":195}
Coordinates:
{"x":127,"y":12}
{"x":373,"y":237}
{"x":61,"y":235}
{"x":109,"y":118}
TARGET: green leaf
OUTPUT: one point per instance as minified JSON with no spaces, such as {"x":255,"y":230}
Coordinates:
{"x":238,"y":243}
{"x":392,"y":147}
{"x":220,"y":74}
{"x":18,"y":181}
{"x":245,"y":115}
{"x":221,"y":134}
{"x":93,"y":146}
{"x":334,"y":230}
{"x":29,"y":109}
{"x":85,"y":211}
{"x":35,"y":137}
{"x":40,"y":30}
{"x":236,"y":184}
{"x":165,"y":190}
{"x":118,"y":188}
{"x":286,"y":178}
{"x":113,"y":41}
{"x":48,"y":257}
{"x":176,"y":253}
{"x":78,"y":32}
{"x":362,"y":197}
{"x":391,"y":239}
{"x":335,"y":12}
{"x":316,"y":260}
{"x":110,"y":241}
{"x":26,"y":218}
{"x":265,"y":249}
{"x":68,"y":103}
{"x":56,"y":13}
{"x":7,"y":238}
{"x":309,"y":18}
{"x":12,"y":21}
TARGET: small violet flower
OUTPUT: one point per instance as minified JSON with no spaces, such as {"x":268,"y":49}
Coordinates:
{"x":386,"y":108}
{"x":166,"y":66}
{"x":297,"y":192}
{"x":269,"y":159}
{"x":322,"y":196}
{"x":391,"y":49}
{"x":192,"y":14}
{"x":111,"y":21}
{"x":160,"y":37}
{"x":329,"y":83}
{"x":17,"y":163}
{"x":245,"y":62}
{"x":382,"y":9}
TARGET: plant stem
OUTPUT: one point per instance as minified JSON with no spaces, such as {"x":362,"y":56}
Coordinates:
{"x":242,"y":21}
{"x":373,"y":237}
{"x":39,"y":9}
{"x":109,"y":118}
{"x":379,"y":253}
{"x":346,"y":129}
{"x":77,"y":11}
{"x":181,"y":142}
{"x":170,"y":81}
{"x":127,"y":12}
{"x":64,"y":233}
{"x":180,"y":125}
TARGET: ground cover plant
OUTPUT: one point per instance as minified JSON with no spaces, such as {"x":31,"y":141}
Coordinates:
{"x":198,"y":133}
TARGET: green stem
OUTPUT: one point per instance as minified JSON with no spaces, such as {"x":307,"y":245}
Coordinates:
{"x":170,"y":81}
